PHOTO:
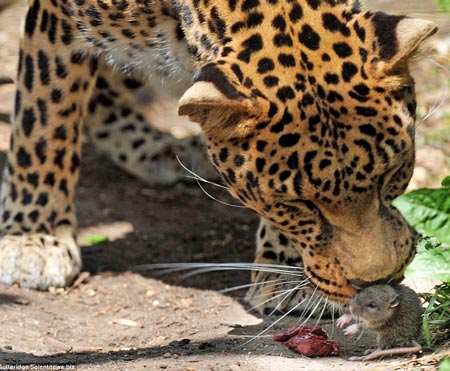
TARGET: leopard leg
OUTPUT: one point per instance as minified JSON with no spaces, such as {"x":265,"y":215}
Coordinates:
{"x":37,"y":244}
{"x":287,"y":289}
{"x":119,"y":128}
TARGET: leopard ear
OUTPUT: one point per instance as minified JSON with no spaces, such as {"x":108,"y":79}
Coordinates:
{"x":398,"y":37}
{"x":213,"y":101}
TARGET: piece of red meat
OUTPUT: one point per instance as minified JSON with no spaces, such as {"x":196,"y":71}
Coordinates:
{"x":311,"y":341}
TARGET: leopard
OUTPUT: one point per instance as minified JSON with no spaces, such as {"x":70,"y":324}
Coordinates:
{"x":307,"y":112}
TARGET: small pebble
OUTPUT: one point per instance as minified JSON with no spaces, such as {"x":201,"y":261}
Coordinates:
{"x":90,"y":292}
{"x":127,"y":322}
{"x":167,"y":355}
{"x":21,"y":301}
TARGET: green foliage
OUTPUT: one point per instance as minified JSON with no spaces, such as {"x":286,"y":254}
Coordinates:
{"x":445,"y":364}
{"x":428,"y":211}
{"x":432,"y":261}
{"x":444,"y":5}
{"x":446,"y":182}
{"x":437,"y":313}
{"x":93,"y":239}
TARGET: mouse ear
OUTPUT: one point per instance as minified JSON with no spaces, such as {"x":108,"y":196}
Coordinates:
{"x":395,"y":301}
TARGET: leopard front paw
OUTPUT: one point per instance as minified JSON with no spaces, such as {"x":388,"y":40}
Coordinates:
{"x":38,"y":261}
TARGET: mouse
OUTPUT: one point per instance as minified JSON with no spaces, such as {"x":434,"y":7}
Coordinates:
{"x":393,"y":313}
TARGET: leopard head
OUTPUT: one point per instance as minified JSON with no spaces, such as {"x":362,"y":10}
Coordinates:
{"x":309,"y":115}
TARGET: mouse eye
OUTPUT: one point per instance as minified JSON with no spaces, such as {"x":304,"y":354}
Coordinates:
{"x":372,"y":306}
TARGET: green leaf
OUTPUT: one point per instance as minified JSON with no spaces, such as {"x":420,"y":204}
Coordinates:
{"x":427,"y":243}
{"x":446,"y":182}
{"x":428,"y":211}
{"x":445,"y":364}
{"x":93,"y":239}
{"x":444,"y":5}
{"x":433,"y":263}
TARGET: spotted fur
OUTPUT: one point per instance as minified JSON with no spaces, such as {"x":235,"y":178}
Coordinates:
{"x":307,"y":108}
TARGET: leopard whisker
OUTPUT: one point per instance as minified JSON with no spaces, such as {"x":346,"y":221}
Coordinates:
{"x":199,"y":179}
{"x":311,"y":312}
{"x":213,"y":269}
{"x":440,"y":65}
{"x":290,"y":292}
{"x":198,"y":268}
{"x":303,"y":285}
{"x":440,"y":100}
{"x":273,"y":323}
{"x":234,"y":264}
{"x":324,"y":306}
{"x":437,"y":104}
{"x":334,"y":309}
{"x":280,"y":292}
{"x":195,"y":176}
{"x":272,"y":283}
{"x":216,"y":199}
{"x":285,"y":292}
{"x":313,"y":296}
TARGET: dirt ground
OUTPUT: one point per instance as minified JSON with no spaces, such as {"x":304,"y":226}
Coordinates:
{"x":115,"y":319}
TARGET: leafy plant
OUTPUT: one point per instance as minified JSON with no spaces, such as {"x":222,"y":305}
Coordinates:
{"x":437,"y":313}
{"x":444,"y":5}
{"x":446,"y":182}
{"x":428,"y":210}
{"x":93,"y":239}
{"x":445,"y":364}
{"x":432,"y":260}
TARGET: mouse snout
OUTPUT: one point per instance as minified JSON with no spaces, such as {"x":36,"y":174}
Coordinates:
{"x":353,"y":309}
